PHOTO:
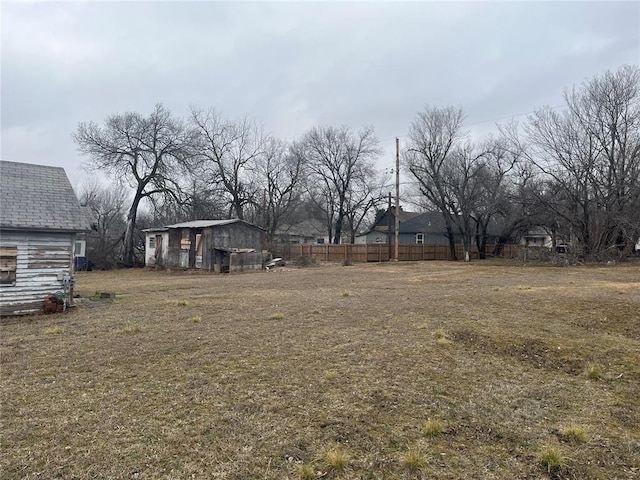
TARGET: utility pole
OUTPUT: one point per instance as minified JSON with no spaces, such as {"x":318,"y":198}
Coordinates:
{"x":389,"y":227}
{"x":397,"y":226}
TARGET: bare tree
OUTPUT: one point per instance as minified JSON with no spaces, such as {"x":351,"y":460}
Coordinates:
{"x":492,"y":203}
{"x":364,"y":199}
{"x":433,"y":137}
{"x":465,"y":182}
{"x":197,"y":200}
{"x":107,"y":206}
{"x":338,"y":162}
{"x":146,"y":152}
{"x":279,"y":174}
{"x":589,"y":159}
{"x":228,"y":152}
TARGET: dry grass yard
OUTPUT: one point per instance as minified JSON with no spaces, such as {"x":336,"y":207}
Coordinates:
{"x":378,"y":371}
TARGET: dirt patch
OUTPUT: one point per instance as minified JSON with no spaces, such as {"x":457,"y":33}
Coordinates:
{"x":533,"y":351}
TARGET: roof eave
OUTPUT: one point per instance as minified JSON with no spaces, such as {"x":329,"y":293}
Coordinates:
{"x":26,"y":228}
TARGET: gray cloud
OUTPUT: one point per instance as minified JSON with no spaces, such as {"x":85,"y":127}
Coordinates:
{"x":294,"y":65}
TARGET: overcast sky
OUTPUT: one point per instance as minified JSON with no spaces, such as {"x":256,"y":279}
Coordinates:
{"x":293,"y":65}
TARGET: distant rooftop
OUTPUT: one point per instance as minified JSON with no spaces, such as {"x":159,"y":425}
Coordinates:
{"x":38,"y":197}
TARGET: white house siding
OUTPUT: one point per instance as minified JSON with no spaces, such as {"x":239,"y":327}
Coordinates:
{"x":43,"y":259}
{"x":150,"y":252}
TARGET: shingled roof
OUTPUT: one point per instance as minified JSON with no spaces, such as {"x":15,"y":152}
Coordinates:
{"x":38,"y":197}
{"x":427,"y":222}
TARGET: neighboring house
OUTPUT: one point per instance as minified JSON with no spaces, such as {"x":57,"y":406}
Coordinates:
{"x":540,"y":237}
{"x":39,"y":218}
{"x":536,"y":237}
{"x":218,"y":245}
{"x":414,"y":228}
{"x":309,"y":231}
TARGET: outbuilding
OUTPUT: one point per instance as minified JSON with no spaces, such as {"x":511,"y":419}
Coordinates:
{"x":39,"y":218}
{"x":215,"y":245}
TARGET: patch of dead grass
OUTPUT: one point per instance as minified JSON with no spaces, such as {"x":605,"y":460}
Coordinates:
{"x":239,"y":397}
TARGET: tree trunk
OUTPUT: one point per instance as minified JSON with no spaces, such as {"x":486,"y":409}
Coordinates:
{"x":466,"y":244}
{"x":452,"y":244}
{"x":338,"y":230}
{"x":481,"y":243}
{"x":237,"y":206}
{"x":481,"y":240}
{"x":128,"y":255}
{"x":497,"y":250}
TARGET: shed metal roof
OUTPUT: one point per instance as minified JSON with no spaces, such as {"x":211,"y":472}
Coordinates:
{"x":204,"y":223}
{"x":38,"y":197}
{"x":199,"y":224}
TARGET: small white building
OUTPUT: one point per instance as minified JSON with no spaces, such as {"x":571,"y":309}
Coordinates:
{"x":39,"y":218}
{"x":537,"y":237}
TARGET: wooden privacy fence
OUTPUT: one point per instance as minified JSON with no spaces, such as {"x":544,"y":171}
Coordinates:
{"x":379,"y":252}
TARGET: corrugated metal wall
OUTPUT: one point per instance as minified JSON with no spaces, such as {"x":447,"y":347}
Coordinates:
{"x":42,"y":257}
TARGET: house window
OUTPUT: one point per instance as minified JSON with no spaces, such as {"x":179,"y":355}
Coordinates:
{"x":8,"y":265}
{"x":80,"y":248}
{"x":319,"y":241}
{"x":419,"y":237}
{"x":152,"y":242}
